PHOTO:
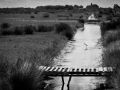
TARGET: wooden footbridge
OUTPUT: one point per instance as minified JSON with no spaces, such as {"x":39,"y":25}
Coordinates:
{"x":61,"y":71}
{"x":70,"y":72}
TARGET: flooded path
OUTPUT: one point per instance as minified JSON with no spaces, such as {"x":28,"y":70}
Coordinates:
{"x":83,"y":52}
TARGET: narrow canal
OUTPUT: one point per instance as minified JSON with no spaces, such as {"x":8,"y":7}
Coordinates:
{"x":83,"y":52}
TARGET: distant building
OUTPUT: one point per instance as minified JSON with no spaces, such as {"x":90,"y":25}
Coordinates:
{"x":92,"y":17}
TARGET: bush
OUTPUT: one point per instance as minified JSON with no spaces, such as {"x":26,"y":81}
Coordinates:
{"x":18,"y":31}
{"x":26,"y":76}
{"x":7,"y":32}
{"x":5,"y":25}
{"x":43,"y":28}
{"x":65,"y":30}
{"x":112,"y":25}
{"x":111,"y":36}
{"x":29,"y":29}
{"x":32,"y":16}
{"x":81,"y":21}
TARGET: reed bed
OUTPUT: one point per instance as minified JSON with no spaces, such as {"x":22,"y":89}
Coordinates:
{"x":111,"y":58}
{"x":20,"y":57}
{"x":61,"y":28}
{"x":110,"y":37}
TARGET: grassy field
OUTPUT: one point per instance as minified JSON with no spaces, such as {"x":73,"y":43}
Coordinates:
{"x":23,"y":47}
{"x":20,"y":55}
{"x":40,"y":18}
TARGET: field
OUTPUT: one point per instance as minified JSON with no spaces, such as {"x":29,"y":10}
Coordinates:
{"x":41,"y":18}
{"x":22,"y":51}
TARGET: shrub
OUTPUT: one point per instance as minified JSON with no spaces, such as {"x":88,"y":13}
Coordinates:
{"x":7,"y":32}
{"x":5,"y":25}
{"x":111,"y":36}
{"x":43,"y":28}
{"x":81,"y":20}
{"x":29,"y":29}
{"x":65,"y":30}
{"x":112,"y":25}
{"x":32,"y":16}
{"x":26,"y":76}
{"x":18,"y":31}
{"x":23,"y":75}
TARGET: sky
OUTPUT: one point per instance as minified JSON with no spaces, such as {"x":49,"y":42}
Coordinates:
{"x":34,"y":3}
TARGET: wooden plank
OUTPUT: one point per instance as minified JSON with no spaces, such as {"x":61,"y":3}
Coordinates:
{"x":47,"y":68}
{"x":66,"y":70}
{"x":94,"y":70}
{"x":51,"y":69}
{"x":44,"y":68}
{"x":90,"y":70}
{"x":55,"y":69}
{"x":82,"y":70}
{"x":60,"y":69}
{"x":73,"y":69}
{"x":86,"y":70}
{"x":77,"y":70}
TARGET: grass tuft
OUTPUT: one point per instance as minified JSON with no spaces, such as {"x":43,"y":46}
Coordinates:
{"x":65,"y":30}
{"x":29,"y":29}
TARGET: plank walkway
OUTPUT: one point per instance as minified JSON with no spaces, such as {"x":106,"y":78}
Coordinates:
{"x":61,"y":71}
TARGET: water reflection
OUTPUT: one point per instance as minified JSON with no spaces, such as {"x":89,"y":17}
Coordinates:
{"x":84,"y":52}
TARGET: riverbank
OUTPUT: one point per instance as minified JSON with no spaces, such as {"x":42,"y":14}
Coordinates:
{"x":111,"y":51}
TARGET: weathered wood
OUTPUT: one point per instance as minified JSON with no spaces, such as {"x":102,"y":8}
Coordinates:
{"x":60,"y":71}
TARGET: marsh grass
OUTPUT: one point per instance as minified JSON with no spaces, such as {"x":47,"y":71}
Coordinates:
{"x":19,"y":65}
{"x":29,"y":29}
{"x":43,"y":28}
{"x":110,"y":37}
{"x":18,"y":31}
{"x":65,"y":30}
{"x":111,"y":25}
{"x":111,"y":58}
{"x":5,"y":25}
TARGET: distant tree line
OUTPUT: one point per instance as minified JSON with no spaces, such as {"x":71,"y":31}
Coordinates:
{"x":92,"y":7}
{"x":39,"y":8}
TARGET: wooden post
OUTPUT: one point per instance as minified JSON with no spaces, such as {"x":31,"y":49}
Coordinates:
{"x":63,"y":80}
{"x":69,"y":80}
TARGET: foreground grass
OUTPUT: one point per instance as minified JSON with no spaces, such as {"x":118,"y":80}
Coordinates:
{"x":111,"y":57}
{"x":20,"y":57}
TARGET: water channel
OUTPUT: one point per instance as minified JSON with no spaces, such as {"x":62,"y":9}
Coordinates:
{"x":85,"y":51}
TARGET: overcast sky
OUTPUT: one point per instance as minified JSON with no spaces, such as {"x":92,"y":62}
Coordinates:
{"x":34,"y":3}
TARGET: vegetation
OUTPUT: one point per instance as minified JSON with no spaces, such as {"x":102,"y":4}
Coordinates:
{"x":62,"y":28}
{"x":111,"y":37}
{"x":111,"y":42}
{"x":5,"y":25}
{"x":111,"y":25}
{"x":29,"y":29}
{"x":43,"y":28}
{"x":65,"y":29}
{"x":111,"y":58}
{"x":21,"y":56}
